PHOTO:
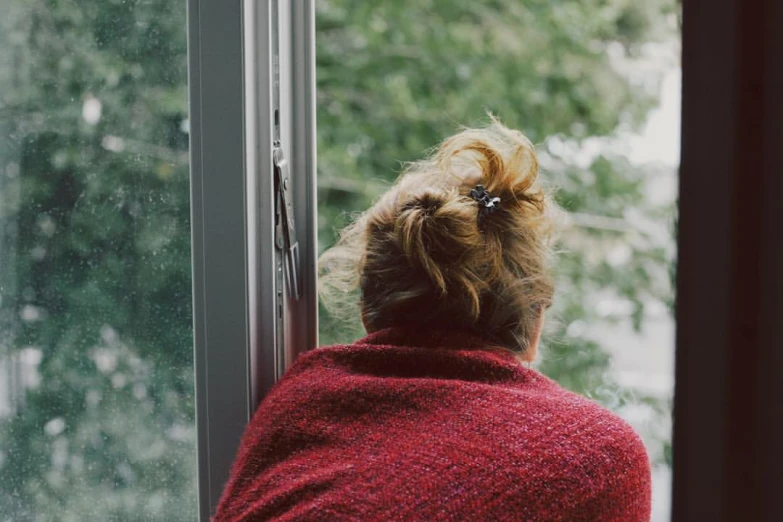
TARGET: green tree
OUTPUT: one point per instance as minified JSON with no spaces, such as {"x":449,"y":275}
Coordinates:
{"x":96,"y":260}
{"x":394,"y":78}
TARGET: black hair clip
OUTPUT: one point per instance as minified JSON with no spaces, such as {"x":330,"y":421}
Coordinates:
{"x":487,"y":203}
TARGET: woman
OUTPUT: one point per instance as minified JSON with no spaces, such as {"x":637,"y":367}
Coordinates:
{"x":433,"y":416}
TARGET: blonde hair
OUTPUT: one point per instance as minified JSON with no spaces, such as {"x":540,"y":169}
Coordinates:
{"x":421,"y":259}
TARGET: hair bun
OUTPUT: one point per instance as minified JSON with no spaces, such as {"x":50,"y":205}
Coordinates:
{"x":422,"y":260}
{"x":427,"y":203}
{"x":502,"y":160}
{"x":436,"y":230}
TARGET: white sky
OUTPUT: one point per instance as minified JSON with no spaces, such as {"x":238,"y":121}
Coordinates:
{"x":660,"y":139}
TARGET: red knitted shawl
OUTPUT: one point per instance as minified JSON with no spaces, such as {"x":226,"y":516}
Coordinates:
{"x":426,"y":427}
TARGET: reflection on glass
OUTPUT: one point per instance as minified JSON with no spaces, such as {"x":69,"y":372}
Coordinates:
{"x":96,"y":376}
{"x":595,"y":85}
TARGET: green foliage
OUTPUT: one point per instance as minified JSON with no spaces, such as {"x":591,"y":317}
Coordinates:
{"x":96,"y":249}
{"x":394,"y":78}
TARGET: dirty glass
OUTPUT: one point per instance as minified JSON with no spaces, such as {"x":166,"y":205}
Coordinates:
{"x":96,"y":365}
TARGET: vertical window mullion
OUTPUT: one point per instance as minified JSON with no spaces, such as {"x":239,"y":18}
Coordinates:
{"x":302,"y":330}
{"x":242,"y":341}
{"x":263,"y":257}
{"x":220,"y":230}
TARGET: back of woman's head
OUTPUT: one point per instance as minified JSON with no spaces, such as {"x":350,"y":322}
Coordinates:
{"x":423,"y":259}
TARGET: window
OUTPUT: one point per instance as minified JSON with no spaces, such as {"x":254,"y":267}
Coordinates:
{"x":252,"y":98}
{"x":144,"y":313}
{"x":96,"y":352}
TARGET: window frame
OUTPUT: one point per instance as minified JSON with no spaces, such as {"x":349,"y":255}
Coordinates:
{"x":728,"y":419}
{"x":241,"y":345}
{"x":722,"y":374}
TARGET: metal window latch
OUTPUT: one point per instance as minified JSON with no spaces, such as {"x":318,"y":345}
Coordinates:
{"x":285,"y":231}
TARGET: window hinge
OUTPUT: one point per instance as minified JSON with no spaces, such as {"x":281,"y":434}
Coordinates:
{"x":285,"y":231}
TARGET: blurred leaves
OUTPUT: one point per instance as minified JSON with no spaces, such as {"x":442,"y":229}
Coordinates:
{"x":395,"y":78}
{"x":95,"y":245}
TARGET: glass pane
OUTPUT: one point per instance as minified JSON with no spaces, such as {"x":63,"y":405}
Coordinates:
{"x":96,"y":365}
{"x":596,"y":86}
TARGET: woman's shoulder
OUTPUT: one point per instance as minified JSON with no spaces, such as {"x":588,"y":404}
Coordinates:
{"x":513,"y":390}
{"x":590,"y":454}
{"x":492,"y":382}
{"x":506,"y":419}
{"x":582,"y":425}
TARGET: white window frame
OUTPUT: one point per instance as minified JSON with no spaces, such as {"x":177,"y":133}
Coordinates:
{"x":241,"y":345}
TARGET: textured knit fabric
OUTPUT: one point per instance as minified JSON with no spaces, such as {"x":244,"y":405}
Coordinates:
{"x":428,"y":427}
